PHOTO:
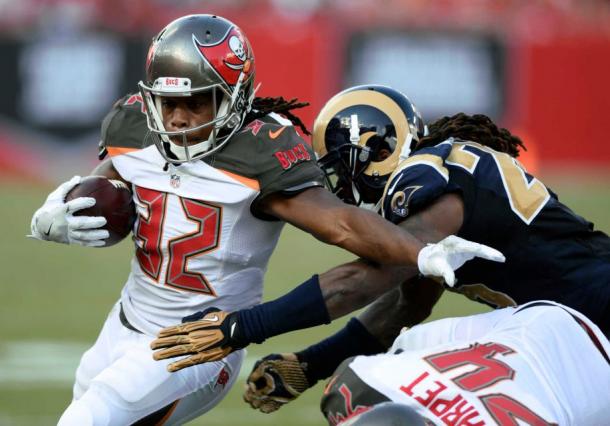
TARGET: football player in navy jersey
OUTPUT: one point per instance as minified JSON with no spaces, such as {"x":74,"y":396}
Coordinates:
{"x":215,"y":173}
{"x":462,"y":179}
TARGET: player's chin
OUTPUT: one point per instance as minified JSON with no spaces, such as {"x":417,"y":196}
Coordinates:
{"x":189,"y":141}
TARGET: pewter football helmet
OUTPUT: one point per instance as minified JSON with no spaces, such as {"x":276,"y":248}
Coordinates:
{"x":199,"y":54}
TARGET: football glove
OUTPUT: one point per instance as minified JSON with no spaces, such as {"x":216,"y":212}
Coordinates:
{"x":274,"y":381}
{"x":443,"y":258}
{"x":54,"y":221}
{"x":205,"y":336}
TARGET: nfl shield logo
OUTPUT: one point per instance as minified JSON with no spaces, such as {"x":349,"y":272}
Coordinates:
{"x":174,"y":180}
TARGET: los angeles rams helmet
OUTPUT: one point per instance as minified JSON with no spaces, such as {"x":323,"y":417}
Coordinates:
{"x":359,"y":137}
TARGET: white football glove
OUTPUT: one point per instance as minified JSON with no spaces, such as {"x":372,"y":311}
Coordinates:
{"x":443,"y":258}
{"x":54,"y":221}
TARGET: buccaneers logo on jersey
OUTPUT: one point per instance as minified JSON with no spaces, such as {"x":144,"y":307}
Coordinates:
{"x":228,"y":57}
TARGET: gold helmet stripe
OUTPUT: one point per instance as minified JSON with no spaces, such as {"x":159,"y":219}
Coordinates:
{"x":363,"y":97}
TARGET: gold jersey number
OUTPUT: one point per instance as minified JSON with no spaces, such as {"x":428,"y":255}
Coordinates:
{"x":526,"y":198}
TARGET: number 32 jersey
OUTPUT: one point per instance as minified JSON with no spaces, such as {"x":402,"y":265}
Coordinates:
{"x":200,"y":238}
{"x":551,"y":253}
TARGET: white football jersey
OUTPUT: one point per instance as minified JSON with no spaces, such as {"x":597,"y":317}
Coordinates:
{"x":199,"y":242}
{"x":534,"y":366}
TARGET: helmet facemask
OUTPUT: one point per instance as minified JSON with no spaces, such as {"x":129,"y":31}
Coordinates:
{"x":360,"y":136}
{"x":229,"y":110}
{"x":198,"y":55}
{"x":346,"y":169}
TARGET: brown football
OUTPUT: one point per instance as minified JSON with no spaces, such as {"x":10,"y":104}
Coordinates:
{"x":112,"y":200}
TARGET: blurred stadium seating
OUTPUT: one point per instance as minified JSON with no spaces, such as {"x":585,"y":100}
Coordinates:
{"x":539,"y":67}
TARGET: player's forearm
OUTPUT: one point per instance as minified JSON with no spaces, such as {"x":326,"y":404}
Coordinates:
{"x":105,"y":168}
{"x":353,"y":285}
{"x":371,"y":237}
{"x":319,"y":300}
{"x":406,"y":306}
{"x":362,"y":232}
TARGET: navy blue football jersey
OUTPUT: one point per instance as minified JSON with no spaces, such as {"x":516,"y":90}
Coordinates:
{"x":551,"y":252}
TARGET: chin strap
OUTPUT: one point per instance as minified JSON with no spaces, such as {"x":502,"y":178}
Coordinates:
{"x":405,"y":151}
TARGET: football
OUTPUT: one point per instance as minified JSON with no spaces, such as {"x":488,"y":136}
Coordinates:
{"x":112,"y":200}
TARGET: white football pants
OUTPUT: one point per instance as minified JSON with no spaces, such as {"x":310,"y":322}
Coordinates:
{"x":119,"y":383}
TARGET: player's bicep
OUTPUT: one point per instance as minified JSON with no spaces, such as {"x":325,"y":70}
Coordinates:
{"x":313,"y":210}
{"x":441,"y":218}
{"x":105,"y":168}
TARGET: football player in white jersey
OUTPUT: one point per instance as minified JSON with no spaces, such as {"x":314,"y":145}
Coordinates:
{"x":541,"y":363}
{"x":215,"y":173}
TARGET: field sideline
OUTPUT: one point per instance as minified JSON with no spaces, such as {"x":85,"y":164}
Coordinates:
{"x":55,"y":298}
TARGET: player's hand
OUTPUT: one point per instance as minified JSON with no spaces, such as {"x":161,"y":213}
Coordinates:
{"x":54,"y":221}
{"x":206,"y":336}
{"x":274,"y":381}
{"x":443,"y":258}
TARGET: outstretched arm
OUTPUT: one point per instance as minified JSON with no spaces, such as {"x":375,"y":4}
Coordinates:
{"x":359,"y":231}
{"x":351,"y":286}
{"x":210,"y":335}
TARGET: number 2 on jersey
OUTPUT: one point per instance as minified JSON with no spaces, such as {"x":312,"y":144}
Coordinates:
{"x":149,"y":233}
{"x":526,"y":198}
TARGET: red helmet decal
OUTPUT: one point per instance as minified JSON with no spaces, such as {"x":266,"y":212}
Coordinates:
{"x":228,"y":57}
{"x":151,"y":54}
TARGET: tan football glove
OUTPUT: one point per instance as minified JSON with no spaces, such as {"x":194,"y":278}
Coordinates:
{"x":205,"y":336}
{"x":274,"y":381}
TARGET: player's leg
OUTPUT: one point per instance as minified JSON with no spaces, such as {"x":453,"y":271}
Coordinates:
{"x":204,"y":399}
{"x":100,"y":355}
{"x":135,"y":386}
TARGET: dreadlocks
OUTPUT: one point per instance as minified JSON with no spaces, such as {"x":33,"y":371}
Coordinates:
{"x":475,"y":128}
{"x":263,"y":106}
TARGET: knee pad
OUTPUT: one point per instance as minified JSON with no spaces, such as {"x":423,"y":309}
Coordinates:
{"x":89,"y":410}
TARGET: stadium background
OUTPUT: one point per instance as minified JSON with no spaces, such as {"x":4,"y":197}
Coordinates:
{"x":541,"y":68}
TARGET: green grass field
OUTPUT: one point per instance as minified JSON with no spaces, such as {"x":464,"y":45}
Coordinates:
{"x":54,"y":300}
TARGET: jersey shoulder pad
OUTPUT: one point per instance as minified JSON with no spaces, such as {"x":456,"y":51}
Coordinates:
{"x":417,"y":181}
{"x":270,"y":150}
{"x":272,"y":132}
{"x":125,"y":125}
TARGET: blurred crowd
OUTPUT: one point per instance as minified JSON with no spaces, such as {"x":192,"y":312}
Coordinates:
{"x":20,"y":17}
{"x":520,"y":61}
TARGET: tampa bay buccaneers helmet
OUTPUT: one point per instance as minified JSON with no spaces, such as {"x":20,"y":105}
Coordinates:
{"x":359,"y":137}
{"x":192,"y":55}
